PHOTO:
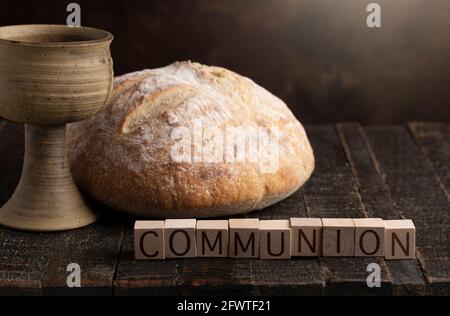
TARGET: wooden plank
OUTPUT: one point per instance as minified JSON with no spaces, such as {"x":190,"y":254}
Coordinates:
{"x":17,"y":274}
{"x":33,"y":263}
{"x":37,"y":263}
{"x":216,"y":276}
{"x":407,"y":277}
{"x":137,"y":277}
{"x":194,"y":276}
{"x":332,"y":192}
{"x":95,"y":249}
{"x":418,"y":195}
{"x":434,"y":140}
{"x":254,"y":276}
{"x":297,"y":276}
{"x":28,"y":264}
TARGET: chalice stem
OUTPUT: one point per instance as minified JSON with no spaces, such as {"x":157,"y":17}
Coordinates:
{"x":46,"y":198}
{"x":45,"y":165}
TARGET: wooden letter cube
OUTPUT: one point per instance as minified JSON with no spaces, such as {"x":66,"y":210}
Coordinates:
{"x":180,"y":238}
{"x":400,"y":239}
{"x":149,"y":240}
{"x":369,"y":237}
{"x":338,"y":237}
{"x":306,"y":237}
{"x":275,"y":242}
{"x":244,"y":238}
{"x":212,"y":238}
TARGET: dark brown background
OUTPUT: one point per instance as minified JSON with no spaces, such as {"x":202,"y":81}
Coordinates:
{"x":317,"y":55}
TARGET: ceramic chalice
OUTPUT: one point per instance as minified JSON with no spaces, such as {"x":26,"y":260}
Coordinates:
{"x":51,"y":75}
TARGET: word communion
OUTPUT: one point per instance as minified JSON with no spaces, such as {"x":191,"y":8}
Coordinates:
{"x":275,"y":239}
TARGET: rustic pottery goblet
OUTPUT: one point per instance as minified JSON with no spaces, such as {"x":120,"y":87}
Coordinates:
{"x":51,"y":75}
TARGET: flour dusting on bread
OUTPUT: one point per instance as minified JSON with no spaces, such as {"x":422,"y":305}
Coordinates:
{"x":122,"y":157}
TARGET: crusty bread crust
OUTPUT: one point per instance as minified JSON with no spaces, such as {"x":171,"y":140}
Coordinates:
{"x":122,"y":157}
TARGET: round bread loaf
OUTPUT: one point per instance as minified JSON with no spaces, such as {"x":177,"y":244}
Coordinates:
{"x":189,"y":141}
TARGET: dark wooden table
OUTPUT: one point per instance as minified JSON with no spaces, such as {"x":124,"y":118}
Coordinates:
{"x":389,"y":172}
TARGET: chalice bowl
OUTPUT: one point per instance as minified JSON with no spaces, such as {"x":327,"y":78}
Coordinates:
{"x":51,"y":75}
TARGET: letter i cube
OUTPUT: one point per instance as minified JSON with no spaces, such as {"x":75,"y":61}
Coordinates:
{"x":338,"y":237}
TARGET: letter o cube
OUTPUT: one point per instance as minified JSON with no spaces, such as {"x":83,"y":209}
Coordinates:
{"x":180,"y":238}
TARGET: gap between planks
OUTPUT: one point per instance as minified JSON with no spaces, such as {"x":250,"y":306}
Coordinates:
{"x":332,"y":192}
{"x":117,"y":260}
{"x":435,"y":135}
{"x":407,"y":276}
{"x":419,"y":195}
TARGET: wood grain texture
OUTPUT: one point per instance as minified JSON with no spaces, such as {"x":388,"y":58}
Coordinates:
{"x":406,"y":275}
{"x":418,"y":195}
{"x":332,"y":193}
{"x":36,"y":264}
{"x":254,"y":276}
{"x":298,"y":276}
{"x":194,"y":276}
{"x":434,"y":140}
{"x":377,"y":171}
{"x":135,"y":277}
{"x":222,"y":276}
